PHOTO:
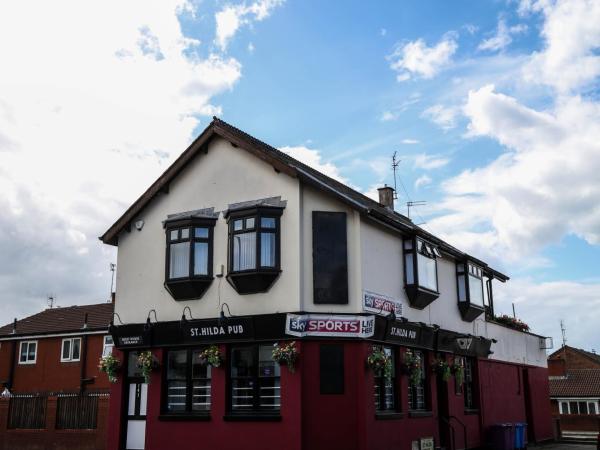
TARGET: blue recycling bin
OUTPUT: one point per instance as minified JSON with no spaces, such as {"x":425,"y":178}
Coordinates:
{"x":520,"y":436}
{"x":502,"y":436}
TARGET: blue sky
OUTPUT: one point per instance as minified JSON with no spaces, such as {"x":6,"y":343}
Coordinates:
{"x":491,"y":106}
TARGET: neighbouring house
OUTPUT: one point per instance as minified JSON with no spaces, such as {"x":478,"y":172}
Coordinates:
{"x":53,"y":395}
{"x":275,"y":307}
{"x":574,"y":376}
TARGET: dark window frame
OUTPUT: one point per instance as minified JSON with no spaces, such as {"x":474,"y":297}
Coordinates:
{"x":191,"y":286}
{"x":261,"y":277}
{"x":469,"y":384}
{"x":380,"y":380}
{"x":469,"y":310}
{"x":189,"y":385}
{"x":256,"y":409}
{"x":413,"y":390}
{"x":419,"y":296}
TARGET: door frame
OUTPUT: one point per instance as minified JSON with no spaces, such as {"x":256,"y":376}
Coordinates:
{"x":128,"y":380}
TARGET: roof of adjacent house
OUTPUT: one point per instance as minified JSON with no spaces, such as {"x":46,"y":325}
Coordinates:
{"x":294,"y":168}
{"x":590,"y":355}
{"x":577,"y":383}
{"x":62,"y":320}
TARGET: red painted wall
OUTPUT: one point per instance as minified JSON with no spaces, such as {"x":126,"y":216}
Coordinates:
{"x":49,"y":374}
{"x":538,"y":393}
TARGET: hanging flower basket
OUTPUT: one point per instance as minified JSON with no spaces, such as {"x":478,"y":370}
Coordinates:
{"x":411,"y":365}
{"x":211,"y":356}
{"x":458,"y":370}
{"x":110,"y":366}
{"x":380,"y":363}
{"x":441,"y":368}
{"x":286,"y":354}
{"x":147,"y":362}
{"x":512,"y":322}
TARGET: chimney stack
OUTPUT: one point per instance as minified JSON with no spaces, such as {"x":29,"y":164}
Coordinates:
{"x":386,"y":196}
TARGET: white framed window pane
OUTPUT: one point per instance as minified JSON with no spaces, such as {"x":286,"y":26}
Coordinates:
{"x":476,"y":290}
{"x":462,"y":293}
{"x":244,"y":251}
{"x":592,"y":408}
{"x":173,"y":235}
{"x":267,"y":249}
{"x":108,"y":346}
{"x":185,"y":233}
{"x":66,"y":349}
{"x":179,"y":265}
{"x":564,"y":408}
{"x":267,"y":222}
{"x":23,"y":355}
{"x":201,"y":233}
{"x":427,"y":272}
{"x":32,"y":350}
{"x":250,"y":222}
{"x":76,"y":348}
{"x":238,"y":225}
{"x":201,"y":258}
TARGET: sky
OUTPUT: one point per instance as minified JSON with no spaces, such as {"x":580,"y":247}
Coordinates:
{"x":492,"y":107}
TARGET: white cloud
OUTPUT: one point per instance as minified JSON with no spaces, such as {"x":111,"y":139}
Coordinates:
{"x":429,"y":162}
{"x":503,"y":37}
{"x":543,"y":305}
{"x":382,"y":32}
{"x":423,"y":180}
{"x":313,"y":158}
{"x":410,"y":141}
{"x":250,"y":47}
{"x":88,"y":119}
{"x":388,"y":116}
{"x":443,"y":116}
{"x":570,"y":58}
{"x":232,"y":17}
{"x":417,"y":59}
{"x":470,"y":28}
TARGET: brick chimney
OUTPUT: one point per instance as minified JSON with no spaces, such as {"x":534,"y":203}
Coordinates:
{"x":386,"y":196}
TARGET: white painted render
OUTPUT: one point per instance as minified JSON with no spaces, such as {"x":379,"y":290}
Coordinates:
{"x":227,"y":175}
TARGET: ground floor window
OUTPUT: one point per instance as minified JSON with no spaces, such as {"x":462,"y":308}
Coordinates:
{"x":385,"y":397}
{"x":469,"y":383}
{"x":417,"y":391}
{"x":575,"y":406}
{"x":254,"y":379}
{"x":188,"y":382}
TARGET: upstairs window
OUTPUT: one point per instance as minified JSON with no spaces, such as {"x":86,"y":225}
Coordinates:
{"x":71,"y":350}
{"x":108,"y":345}
{"x":28,"y":352}
{"x":189,"y":266}
{"x":420,"y":271}
{"x":254,"y":246}
{"x":471,"y":298}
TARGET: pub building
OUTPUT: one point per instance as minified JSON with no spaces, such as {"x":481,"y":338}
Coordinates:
{"x":239,"y":249}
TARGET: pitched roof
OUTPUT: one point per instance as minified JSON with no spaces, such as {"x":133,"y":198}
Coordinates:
{"x":294,"y":168}
{"x":577,"y":383}
{"x":62,"y":320}
{"x":559,"y":353}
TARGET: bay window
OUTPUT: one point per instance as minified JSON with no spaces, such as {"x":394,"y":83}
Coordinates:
{"x":471,"y":297}
{"x":188,"y":383}
{"x":189,"y":264}
{"x":254,"y":248}
{"x":420,"y":271}
{"x":254,"y":380}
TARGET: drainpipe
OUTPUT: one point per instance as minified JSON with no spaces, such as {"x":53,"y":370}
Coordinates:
{"x":13,"y":356}
{"x":83,"y":362}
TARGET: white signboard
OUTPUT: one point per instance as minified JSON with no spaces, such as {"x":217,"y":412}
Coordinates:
{"x":427,"y":443}
{"x":329,"y":325}
{"x":381,"y":304}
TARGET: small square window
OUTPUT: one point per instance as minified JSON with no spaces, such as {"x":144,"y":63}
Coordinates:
{"x":174,"y":234}
{"x":250,"y":222}
{"x":238,"y":225}
{"x":267,"y":222}
{"x":185,"y":233}
{"x":201,"y":233}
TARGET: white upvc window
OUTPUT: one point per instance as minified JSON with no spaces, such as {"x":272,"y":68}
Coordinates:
{"x":108,"y":345}
{"x":28,"y":352}
{"x":70,"y":350}
{"x":578,"y":406}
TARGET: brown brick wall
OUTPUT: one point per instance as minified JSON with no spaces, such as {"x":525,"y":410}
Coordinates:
{"x":51,"y":438}
{"x":574,"y":359}
{"x":571,"y":422}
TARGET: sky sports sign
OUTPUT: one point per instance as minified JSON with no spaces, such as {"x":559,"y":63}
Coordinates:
{"x":326,"y":325}
{"x":381,"y":304}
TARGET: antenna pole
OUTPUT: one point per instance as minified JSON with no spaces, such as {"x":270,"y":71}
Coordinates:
{"x":514,"y":312}
{"x":395,"y":163}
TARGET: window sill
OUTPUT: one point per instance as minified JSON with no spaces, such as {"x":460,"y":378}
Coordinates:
{"x":205,"y":417}
{"x":253,"y":282}
{"x":471,"y":412}
{"x":188,"y":288}
{"x":420,"y":297}
{"x":250,"y":417}
{"x":418,"y":414}
{"x":391,"y":415}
